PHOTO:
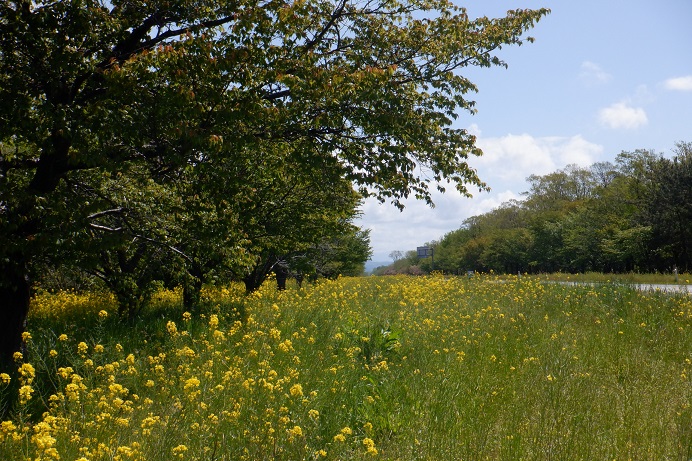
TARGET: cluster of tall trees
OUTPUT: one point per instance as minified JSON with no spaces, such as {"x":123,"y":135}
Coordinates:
{"x":185,"y":140}
{"x":631,"y":215}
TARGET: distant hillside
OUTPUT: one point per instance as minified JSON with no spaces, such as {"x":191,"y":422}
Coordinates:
{"x":371,"y":265}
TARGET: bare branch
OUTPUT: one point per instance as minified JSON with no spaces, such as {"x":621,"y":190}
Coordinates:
{"x":167,"y":246}
{"x":106,"y":212}
{"x":105,"y":228}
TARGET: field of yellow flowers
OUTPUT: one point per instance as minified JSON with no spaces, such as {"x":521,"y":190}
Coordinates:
{"x":390,"y":368}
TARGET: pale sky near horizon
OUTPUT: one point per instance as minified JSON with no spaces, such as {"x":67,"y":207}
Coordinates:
{"x":602,"y":77}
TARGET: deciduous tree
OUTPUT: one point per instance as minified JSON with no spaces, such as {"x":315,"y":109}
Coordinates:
{"x":369,"y":89}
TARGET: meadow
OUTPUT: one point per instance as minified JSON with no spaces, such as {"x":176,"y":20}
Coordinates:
{"x":625,"y":278}
{"x":373,"y":368}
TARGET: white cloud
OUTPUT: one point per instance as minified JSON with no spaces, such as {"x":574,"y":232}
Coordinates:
{"x":679,"y":83}
{"x":621,"y":116}
{"x":488,"y":203}
{"x":592,"y":74}
{"x":512,"y":158}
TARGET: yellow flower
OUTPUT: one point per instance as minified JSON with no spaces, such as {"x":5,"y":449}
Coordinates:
{"x":296,"y":390}
{"x":213,"y":321}
{"x":65,"y":372}
{"x":191,"y":384}
{"x":25,"y":393}
{"x":149,"y":422}
{"x":5,"y":378}
{"x":179,"y":450}
{"x":17,"y":356}
{"x":26,"y":336}
{"x":172,"y":329}
{"x":98,"y":348}
{"x":124,"y":422}
{"x":369,"y":445}
{"x":103,"y":314}
{"x":28,"y":372}
{"x":62,"y":337}
{"x":286,"y":346}
{"x":187,"y":316}
{"x":72,"y":392}
{"x":82,"y":348}
{"x":275,"y":334}
{"x":53,"y":353}
{"x":339,"y":438}
{"x":117,"y":388}
{"x":296,"y":431}
{"x":7,"y":427}
{"x":314,"y":414}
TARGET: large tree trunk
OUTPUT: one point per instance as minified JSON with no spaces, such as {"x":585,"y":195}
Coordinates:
{"x":259,"y":274}
{"x":15,"y":294}
{"x":281,"y":276}
{"x":22,"y":224}
{"x":253,"y":281}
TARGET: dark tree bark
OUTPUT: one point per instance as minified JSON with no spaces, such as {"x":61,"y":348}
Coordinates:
{"x":15,"y":294}
{"x":281,"y":276}
{"x":259,"y":273}
{"x":192,"y":288}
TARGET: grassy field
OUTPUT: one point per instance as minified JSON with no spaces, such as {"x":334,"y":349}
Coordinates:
{"x":389,"y":368}
{"x":628,"y":278}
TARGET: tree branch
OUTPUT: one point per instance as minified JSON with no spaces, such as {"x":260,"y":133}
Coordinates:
{"x":167,"y":246}
{"x":106,"y":212}
{"x":105,"y":228}
{"x":332,"y":20}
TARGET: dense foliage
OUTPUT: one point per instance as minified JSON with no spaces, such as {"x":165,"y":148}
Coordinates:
{"x":634,"y":215}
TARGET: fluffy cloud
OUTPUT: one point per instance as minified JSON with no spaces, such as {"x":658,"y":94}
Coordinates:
{"x":679,"y":83}
{"x":486,"y":203}
{"x":511,"y":158}
{"x":592,"y":74}
{"x":621,"y":116}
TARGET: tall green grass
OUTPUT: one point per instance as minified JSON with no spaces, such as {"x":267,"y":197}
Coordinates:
{"x":392,"y":368}
{"x":625,"y":278}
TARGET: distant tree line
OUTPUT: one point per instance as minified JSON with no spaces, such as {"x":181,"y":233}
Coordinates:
{"x":633,"y":215}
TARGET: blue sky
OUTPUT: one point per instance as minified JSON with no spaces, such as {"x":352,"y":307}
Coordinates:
{"x":602,"y":77}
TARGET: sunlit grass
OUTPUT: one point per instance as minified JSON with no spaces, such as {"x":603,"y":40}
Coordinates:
{"x":404,"y":368}
{"x":626,"y":278}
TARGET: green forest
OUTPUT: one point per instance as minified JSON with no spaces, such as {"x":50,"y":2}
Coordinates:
{"x":632,"y":215}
